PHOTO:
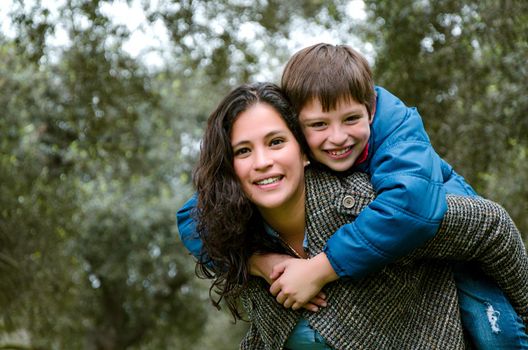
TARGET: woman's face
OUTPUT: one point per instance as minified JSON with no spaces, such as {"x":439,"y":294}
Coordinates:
{"x":267,"y":158}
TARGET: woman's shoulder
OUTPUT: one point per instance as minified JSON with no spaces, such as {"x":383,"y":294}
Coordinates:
{"x":349,"y":189}
{"x":320,"y":175}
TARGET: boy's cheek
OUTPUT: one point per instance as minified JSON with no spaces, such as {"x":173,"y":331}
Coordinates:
{"x":312,"y":137}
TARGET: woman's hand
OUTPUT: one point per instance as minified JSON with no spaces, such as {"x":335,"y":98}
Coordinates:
{"x":298,"y":282}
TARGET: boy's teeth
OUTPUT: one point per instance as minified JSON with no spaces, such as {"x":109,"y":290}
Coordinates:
{"x":268,"y":180}
{"x":340,"y":152}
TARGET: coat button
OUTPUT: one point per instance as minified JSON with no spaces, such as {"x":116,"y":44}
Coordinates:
{"x":348,"y":201}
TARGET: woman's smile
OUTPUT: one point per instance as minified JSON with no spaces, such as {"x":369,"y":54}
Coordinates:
{"x":267,"y":159}
{"x":269,"y":182}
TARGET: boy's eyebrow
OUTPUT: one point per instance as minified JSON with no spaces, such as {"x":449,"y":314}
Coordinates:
{"x":267,"y":136}
{"x":312,"y":116}
{"x":319,"y":115}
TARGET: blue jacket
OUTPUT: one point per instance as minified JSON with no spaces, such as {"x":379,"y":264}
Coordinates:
{"x":187,"y":227}
{"x":411,"y":182}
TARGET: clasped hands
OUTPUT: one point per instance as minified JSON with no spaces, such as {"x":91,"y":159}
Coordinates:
{"x":295,"y":283}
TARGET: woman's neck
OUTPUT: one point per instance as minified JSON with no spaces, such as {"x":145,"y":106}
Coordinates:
{"x":288,"y":221}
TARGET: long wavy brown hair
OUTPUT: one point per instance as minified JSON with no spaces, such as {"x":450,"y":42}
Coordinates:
{"x":228,"y":224}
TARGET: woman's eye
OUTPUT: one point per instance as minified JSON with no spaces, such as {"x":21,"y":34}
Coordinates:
{"x":276,"y":142}
{"x":241,"y":151}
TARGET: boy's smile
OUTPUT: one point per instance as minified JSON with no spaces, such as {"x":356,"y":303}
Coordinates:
{"x":340,"y":153}
{"x":337,"y":137}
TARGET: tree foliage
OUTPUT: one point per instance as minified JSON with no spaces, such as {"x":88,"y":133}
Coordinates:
{"x":97,"y":146}
{"x":463,"y":64}
{"x":96,"y":154}
{"x":90,"y":217}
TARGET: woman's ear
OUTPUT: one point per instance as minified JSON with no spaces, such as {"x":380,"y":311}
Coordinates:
{"x":306,"y":162}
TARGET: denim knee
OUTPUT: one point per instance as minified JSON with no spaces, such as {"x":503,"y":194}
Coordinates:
{"x":487,"y":315}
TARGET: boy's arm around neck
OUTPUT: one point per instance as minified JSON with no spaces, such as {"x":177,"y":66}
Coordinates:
{"x":406,"y":174}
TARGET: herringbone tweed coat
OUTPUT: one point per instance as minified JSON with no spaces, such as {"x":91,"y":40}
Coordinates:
{"x":411,"y":304}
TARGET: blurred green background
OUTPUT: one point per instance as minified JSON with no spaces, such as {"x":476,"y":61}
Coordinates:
{"x":100,"y":128}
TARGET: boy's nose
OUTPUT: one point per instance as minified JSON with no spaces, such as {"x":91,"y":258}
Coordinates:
{"x":337,"y":136}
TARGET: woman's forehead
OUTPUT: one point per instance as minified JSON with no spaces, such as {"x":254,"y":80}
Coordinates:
{"x":257,"y":120}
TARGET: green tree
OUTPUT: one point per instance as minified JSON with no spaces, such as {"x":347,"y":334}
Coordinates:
{"x":462,"y":64}
{"x":91,"y":206}
{"x":97,"y":149}
{"x":97,"y":153}
{"x":30,"y":229}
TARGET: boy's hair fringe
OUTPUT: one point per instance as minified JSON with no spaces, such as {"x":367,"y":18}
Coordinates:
{"x":331,"y":74}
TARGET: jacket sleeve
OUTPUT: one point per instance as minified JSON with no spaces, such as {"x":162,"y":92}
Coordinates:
{"x":475,"y":229}
{"x":187,"y":228}
{"x":406,"y":174}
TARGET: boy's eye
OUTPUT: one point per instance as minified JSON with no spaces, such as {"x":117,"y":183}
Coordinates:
{"x":352,"y":118}
{"x":317,"y":125}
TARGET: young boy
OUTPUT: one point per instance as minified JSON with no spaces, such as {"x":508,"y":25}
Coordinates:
{"x":351,"y":125}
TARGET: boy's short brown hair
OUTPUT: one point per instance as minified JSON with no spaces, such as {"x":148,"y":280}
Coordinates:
{"x":329,"y":73}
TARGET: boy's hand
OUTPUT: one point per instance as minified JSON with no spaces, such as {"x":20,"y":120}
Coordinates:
{"x":316,"y":303}
{"x":262,"y":265}
{"x":298,"y":281}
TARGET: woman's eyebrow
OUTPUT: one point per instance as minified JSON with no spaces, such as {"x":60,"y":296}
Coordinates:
{"x":267,"y":136}
{"x":273,"y":133}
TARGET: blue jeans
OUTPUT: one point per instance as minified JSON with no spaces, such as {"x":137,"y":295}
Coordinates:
{"x":487,"y":315}
{"x":304,"y":337}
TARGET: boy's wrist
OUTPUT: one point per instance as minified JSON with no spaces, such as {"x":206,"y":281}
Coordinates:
{"x":324,"y":269}
{"x":256,"y":265}
{"x":261,"y":265}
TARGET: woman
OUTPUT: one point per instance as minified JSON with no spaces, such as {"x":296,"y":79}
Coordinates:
{"x":254,"y":196}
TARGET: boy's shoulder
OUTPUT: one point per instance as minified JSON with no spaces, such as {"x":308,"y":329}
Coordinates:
{"x":393,"y":117}
{"x":389,"y":108}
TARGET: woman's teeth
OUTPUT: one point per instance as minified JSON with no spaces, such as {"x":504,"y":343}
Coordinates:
{"x":268,"y":181}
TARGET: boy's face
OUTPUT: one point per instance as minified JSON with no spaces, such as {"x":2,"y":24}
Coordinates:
{"x":336,"y":138}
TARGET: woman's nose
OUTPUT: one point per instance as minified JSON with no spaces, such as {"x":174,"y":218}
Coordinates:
{"x":262,"y":159}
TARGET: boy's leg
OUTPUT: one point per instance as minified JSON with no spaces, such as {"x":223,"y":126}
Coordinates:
{"x":487,"y":315}
{"x":304,"y":337}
